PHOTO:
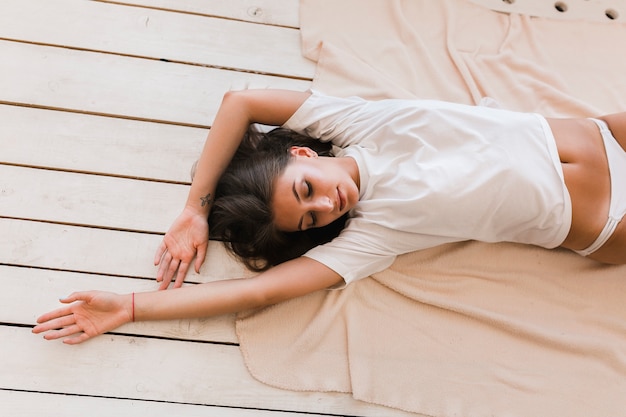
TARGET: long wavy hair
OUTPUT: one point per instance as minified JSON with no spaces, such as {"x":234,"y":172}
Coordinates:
{"x":242,"y":215}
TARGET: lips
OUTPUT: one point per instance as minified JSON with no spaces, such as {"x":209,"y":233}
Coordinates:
{"x":342,"y":201}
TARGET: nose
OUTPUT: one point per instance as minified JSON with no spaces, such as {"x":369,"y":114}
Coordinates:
{"x":323,"y":205}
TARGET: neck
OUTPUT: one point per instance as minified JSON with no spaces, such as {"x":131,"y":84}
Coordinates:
{"x":349,"y":164}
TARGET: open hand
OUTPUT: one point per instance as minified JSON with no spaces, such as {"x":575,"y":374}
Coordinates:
{"x":188,"y":237}
{"x":87,"y":314}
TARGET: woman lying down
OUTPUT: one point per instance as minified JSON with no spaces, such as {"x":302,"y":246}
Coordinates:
{"x":344,"y":185}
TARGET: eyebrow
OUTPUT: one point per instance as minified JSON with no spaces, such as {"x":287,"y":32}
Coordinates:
{"x":295,"y":193}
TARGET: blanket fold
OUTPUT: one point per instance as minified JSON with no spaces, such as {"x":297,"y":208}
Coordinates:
{"x":464,"y":329}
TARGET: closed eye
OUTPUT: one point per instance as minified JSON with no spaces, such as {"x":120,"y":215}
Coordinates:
{"x":313,"y":219}
{"x":309,"y":189}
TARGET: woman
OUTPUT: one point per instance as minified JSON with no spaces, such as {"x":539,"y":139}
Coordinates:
{"x":413,"y":174}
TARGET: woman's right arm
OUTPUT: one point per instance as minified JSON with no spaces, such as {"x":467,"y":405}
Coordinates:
{"x":188,"y":236}
{"x":88,"y":314}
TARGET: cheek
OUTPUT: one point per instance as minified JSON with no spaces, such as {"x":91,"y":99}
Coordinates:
{"x":354,"y":194}
{"x":326,"y":220}
{"x":284,"y":210}
{"x":281,"y":212}
{"x":282,"y":224}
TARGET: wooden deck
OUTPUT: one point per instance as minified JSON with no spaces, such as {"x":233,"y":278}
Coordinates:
{"x":104,"y":106}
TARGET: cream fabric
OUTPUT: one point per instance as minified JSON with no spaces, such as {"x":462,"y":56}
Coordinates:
{"x":464,"y":329}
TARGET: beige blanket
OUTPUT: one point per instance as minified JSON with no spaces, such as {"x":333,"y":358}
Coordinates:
{"x":465,"y":329}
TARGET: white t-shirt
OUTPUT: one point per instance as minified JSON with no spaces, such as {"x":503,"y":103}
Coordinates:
{"x":434,"y":172}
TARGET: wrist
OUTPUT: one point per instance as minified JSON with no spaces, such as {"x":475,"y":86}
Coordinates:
{"x":129,"y":307}
{"x":196,"y":206}
{"x":132,"y":307}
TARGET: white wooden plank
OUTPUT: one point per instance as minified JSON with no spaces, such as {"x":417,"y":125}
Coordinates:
{"x":99,"y":251}
{"x":42,"y":288}
{"x":85,"y":199}
{"x":156,"y":34}
{"x":154,"y":369}
{"x":118,"y":85}
{"x":147,"y":372}
{"x":86,"y":143}
{"x":22,"y":404}
{"x":275,"y":12}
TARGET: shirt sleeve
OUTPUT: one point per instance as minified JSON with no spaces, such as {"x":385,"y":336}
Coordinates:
{"x":356,"y":253}
{"x":328,"y":118}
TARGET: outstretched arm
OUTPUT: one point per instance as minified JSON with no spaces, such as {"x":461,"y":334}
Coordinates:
{"x":94,"y":312}
{"x":188,"y":236}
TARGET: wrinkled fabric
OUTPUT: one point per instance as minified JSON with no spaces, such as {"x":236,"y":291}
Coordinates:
{"x":464,"y":329}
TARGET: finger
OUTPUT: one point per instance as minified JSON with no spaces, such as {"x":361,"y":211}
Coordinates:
{"x":167,"y":259}
{"x":182,"y":273}
{"x":53,"y":324}
{"x":202,"y":249}
{"x":64,"y":311}
{"x":77,"y":339}
{"x":159,"y":253}
{"x":67,"y":331}
{"x":54,"y":314}
{"x":168,"y":274}
{"x":76,"y":296}
{"x":171,"y":270}
{"x":164,"y":285}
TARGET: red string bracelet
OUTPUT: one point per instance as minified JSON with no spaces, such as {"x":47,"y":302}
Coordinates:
{"x":133,"y":298}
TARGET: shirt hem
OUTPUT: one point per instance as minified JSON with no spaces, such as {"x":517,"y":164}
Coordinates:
{"x":567,"y":201}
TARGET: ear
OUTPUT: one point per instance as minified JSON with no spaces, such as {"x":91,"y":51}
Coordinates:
{"x":302,"y":151}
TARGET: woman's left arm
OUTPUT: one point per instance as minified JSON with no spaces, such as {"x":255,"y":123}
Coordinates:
{"x":188,"y":236}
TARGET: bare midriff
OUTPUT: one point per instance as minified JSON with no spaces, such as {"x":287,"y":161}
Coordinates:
{"x":586,"y":173}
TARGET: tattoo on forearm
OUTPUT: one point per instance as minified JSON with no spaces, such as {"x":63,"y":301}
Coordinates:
{"x":206,"y":200}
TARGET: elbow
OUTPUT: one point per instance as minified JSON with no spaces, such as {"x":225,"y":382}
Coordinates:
{"x":235,"y":99}
{"x":249,"y":295}
{"x":259,"y":299}
{"x":231,"y":99}
{"x":237,"y":105}
{"x":230,"y":95}
{"x":259,"y":294}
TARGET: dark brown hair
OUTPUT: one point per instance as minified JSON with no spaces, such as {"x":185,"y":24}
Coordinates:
{"x":242,"y":216}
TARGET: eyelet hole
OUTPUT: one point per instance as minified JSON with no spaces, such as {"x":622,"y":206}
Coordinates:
{"x":611,"y":14}
{"x":560,"y":6}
